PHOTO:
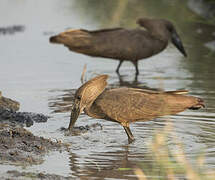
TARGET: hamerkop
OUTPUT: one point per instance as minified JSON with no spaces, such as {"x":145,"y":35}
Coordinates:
{"x":127,"y":105}
{"x":123,"y":44}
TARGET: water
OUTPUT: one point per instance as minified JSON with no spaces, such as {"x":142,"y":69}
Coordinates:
{"x":42,"y":77}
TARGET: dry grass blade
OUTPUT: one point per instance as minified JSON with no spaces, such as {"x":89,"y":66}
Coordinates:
{"x":171,"y":163}
{"x":140,"y":174}
{"x":83,"y":74}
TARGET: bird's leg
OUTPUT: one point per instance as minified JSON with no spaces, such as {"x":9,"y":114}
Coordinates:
{"x":136,"y":67}
{"x":129,"y":134}
{"x":136,"y":78}
{"x":120,"y":63}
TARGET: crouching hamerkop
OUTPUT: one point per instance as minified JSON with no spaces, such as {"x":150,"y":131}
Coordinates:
{"x":127,"y":105}
{"x":123,"y":44}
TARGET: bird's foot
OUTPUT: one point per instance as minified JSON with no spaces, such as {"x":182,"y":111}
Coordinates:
{"x":130,"y":140}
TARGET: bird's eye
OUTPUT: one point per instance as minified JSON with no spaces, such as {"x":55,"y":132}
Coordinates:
{"x":79,"y":97}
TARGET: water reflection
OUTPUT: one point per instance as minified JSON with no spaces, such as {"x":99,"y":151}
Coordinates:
{"x":123,"y":81}
{"x":117,"y":164}
{"x":63,"y":102}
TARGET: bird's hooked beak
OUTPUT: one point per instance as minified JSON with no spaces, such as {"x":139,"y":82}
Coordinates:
{"x":178,"y":43}
{"x":76,"y":111}
{"x":53,"y":39}
{"x":86,"y":95}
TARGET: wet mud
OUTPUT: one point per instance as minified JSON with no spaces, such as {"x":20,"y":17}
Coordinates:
{"x":77,"y":130}
{"x":8,"y":103}
{"x":20,"y":147}
{"x":22,"y":118}
{"x":9,"y":114}
{"x":30,"y":175}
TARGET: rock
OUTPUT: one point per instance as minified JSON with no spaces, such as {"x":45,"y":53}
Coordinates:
{"x":28,"y":118}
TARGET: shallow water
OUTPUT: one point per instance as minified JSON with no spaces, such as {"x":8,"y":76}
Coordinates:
{"x":43,"y":76}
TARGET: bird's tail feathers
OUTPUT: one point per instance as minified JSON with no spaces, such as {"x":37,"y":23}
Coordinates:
{"x":199,"y":104}
{"x":178,"y":92}
{"x":73,"y":38}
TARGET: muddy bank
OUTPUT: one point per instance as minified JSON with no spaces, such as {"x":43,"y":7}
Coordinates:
{"x":9,"y":114}
{"x":8,"y":103}
{"x":20,"y":147}
{"x":29,"y":175}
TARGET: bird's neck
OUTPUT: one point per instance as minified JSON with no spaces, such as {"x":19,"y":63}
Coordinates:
{"x":87,"y":111}
{"x":160,"y":45}
{"x":93,"y":112}
{"x":160,"y":35}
